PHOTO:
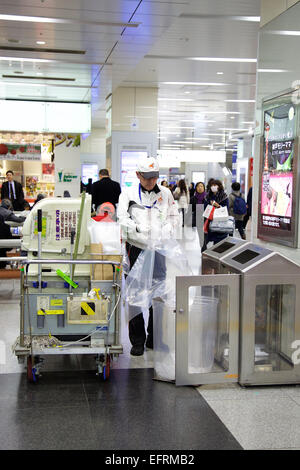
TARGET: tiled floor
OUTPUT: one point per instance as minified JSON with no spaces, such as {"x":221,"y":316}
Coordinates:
{"x":72,"y":409}
{"x":259,"y":417}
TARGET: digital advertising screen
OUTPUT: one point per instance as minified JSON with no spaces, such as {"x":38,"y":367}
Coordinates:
{"x":278,"y":176}
{"x":89,"y":171}
{"x":129,"y":161}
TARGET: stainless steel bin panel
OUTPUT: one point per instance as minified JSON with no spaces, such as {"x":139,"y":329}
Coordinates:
{"x":207,"y":328}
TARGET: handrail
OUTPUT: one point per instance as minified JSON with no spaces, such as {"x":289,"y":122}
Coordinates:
{"x":25,"y":260}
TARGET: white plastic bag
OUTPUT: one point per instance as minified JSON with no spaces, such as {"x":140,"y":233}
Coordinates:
{"x":220,"y":214}
{"x":106,"y":233}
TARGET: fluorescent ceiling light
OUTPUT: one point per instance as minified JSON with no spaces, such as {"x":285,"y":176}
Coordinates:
{"x":197,"y":138}
{"x":25,"y":59}
{"x":239,"y":101}
{"x":222,"y":112}
{"x":220,"y":73}
{"x":43,"y":19}
{"x":196,"y":121}
{"x":41,"y":42}
{"x":271,"y":70}
{"x":175,"y":99}
{"x":231,"y":129}
{"x":206,"y":133}
{"x":247,"y":122}
{"x":283,"y":33}
{"x":195,"y":83}
{"x":168,"y":133}
{"x":255,"y":19}
{"x":178,"y":127}
{"x":221,"y":59}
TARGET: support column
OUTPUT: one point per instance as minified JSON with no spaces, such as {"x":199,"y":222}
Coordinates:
{"x":131,"y":127}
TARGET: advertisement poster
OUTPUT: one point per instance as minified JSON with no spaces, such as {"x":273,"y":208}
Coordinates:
{"x":48,"y":171}
{"x":20,"y":152}
{"x":31,"y":185}
{"x":278,"y":175}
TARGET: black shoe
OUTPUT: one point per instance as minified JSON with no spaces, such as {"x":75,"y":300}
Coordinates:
{"x":137,"y":350}
{"x":149,"y":343}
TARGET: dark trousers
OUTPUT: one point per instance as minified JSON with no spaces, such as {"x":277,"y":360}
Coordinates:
{"x":182,"y":211}
{"x":245,"y":221}
{"x":239,"y":225}
{"x":137,"y":334}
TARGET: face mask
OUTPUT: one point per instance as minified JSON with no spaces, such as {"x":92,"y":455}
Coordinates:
{"x":214,"y":189}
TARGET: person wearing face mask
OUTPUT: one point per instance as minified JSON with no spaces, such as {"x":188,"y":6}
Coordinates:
{"x":216,"y":197}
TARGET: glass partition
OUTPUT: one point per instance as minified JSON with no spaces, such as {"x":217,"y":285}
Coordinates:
{"x":208,"y":329}
{"x":275,"y":311}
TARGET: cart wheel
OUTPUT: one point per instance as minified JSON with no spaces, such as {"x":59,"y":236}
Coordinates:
{"x":106,"y":368}
{"x":31,"y":376}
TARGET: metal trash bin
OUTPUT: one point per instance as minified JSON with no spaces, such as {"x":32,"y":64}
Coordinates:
{"x":212,"y":257}
{"x":269,"y":315}
{"x":257,"y":336}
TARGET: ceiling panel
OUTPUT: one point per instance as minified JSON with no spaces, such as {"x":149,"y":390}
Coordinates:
{"x":167,"y":28}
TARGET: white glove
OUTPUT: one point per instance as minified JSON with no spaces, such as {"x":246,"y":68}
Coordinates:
{"x":144,"y":229}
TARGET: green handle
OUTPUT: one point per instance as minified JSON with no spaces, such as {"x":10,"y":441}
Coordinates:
{"x":66,"y":278}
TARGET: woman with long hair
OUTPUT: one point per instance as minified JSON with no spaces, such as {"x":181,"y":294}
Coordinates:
{"x":216,"y":197}
{"x":191,"y":190}
{"x":197,"y":202}
{"x":181,"y":195}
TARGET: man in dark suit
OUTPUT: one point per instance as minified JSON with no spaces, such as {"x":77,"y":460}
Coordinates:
{"x":105,"y":190}
{"x":13,"y":190}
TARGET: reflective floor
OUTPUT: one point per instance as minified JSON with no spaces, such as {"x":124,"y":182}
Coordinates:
{"x":131,"y":410}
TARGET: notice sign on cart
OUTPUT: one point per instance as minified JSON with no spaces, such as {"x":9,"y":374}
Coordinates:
{"x":20,"y":152}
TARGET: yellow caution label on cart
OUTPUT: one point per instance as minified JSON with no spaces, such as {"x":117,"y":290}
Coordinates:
{"x":50,"y":312}
{"x":87,"y":308}
{"x":56,"y":302}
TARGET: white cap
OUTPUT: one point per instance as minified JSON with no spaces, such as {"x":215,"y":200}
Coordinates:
{"x":148,"y":167}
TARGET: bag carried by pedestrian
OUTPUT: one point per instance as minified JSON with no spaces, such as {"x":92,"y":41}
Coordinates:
{"x":222,"y":226}
{"x":209,"y":212}
{"x":239,"y":206}
{"x":220,"y":213}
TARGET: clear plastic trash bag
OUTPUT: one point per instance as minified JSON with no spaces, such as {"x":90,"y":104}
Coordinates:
{"x":201,"y":335}
{"x":154,"y":275}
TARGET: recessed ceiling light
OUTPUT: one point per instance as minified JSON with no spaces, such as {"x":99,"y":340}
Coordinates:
{"x":24,"y":59}
{"x":283,"y":33}
{"x":271,"y":70}
{"x":222,"y":59}
{"x":175,"y":99}
{"x":43,"y":19}
{"x":195,"y":83}
{"x":239,"y":101}
{"x":41,"y":42}
{"x":220,"y":73}
{"x":221,"y":112}
{"x":231,"y":129}
{"x":232,"y":117}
